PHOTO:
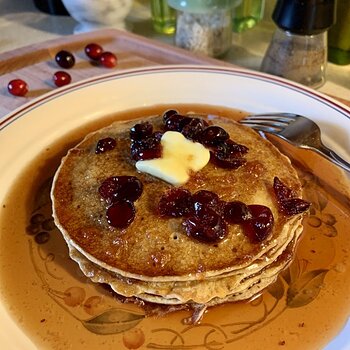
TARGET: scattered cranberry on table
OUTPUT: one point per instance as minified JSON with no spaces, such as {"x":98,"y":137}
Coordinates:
{"x":17,"y":87}
{"x":108,"y":59}
{"x":61,"y":78}
{"x":93,"y":51}
{"x":65,"y":59}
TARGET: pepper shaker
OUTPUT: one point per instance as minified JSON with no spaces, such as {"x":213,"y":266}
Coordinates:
{"x":203,"y":26}
{"x":298,"y":50}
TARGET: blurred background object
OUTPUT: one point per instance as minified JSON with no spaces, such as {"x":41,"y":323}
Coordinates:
{"x":204,"y":27}
{"x":163,"y":17}
{"x":298,"y":50}
{"x":247,"y":14}
{"x":339,"y":35}
{"x":95,"y":14}
{"x":53,"y":7}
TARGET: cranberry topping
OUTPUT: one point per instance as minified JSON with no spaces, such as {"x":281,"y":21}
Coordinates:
{"x":176,"y":202}
{"x":141,"y":131}
{"x":17,"y":87}
{"x":108,"y":59}
{"x":229,"y":154}
{"x":105,"y":145}
{"x":286,"y":199}
{"x":169,"y":113}
{"x":65,"y":59}
{"x":93,"y":51}
{"x":226,"y":161}
{"x":204,"y":198}
{"x":176,"y":122}
{"x":282,"y":192}
{"x":214,"y":135}
{"x":61,"y":78}
{"x":120,"y":214}
{"x":121,"y":188}
{"x":148,"y":148}
{"x":258,"y":227}
{"x":236,"y":212}
{"x":294,"y":206}
{"x":194,"y":129}
{"x":157,"y":135}
{"x":207,"y":226}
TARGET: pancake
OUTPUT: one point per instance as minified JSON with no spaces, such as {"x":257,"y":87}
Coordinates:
{"x":153,"y":259}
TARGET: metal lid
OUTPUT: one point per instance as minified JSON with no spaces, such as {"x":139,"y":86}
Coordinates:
{"x":201,"y":6}
{"x":304,"y":17}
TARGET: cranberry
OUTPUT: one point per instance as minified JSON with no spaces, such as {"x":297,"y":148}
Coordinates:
{"x":194,"y":129}
{"x":65,"y":59}
{"x":148,"y":148}
{"x":282,"y":192}
{"x":105,"y":145}
{"x":208,"y":227}
{"x":157,"y":135}
{"x":17,"y":87}
{"x":176,"y":122}
{"x":233,"y":148}
{"x":168,"y":114}
{"x":141,"y":130}
{"x":287,"y":202}
{"x":236,"y":212}
{"x":93,"y":51}
{"x":204,"y":198}
{"x":226,"y":161}
{"x":108,"y":59}
{"x":120,"y":214}
{"x":294,"y":206}
{"x":259,"y":226}
{"x":120,"y":188}
{"x":229,"y":154}
{"x":175,"y":203}
{"x":61,"y":78}
{"x":214,"y":135}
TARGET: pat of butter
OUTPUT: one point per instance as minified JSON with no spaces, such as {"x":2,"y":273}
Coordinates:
{"x":179,"y":157}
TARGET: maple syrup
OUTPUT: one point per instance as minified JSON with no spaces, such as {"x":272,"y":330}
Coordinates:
{"x":58,"y":307}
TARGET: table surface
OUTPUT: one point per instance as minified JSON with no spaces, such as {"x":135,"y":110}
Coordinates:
{"x":21,"y":24}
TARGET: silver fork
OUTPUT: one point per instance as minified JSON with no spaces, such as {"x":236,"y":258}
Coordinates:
{"x":296,"y":130}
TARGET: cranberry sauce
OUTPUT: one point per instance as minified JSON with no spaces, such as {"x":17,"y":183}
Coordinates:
{"x":120,"y":193}
{"x":205,"y":216}
{"x":224,"y":152}
{"x":287,"y":201}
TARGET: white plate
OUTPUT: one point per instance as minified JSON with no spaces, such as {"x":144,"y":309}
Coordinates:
{"x":28,"y":130}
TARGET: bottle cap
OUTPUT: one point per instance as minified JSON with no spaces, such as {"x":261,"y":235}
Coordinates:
{"x":304,"y":17}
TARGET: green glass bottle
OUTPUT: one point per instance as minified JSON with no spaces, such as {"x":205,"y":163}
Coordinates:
{"x":163,"y":17}
{"x":247,"y":14}
{"x":339,"y":35}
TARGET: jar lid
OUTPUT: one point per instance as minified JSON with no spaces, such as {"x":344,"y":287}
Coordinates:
{"x":200,"y":6}
{"x":304,"y":17}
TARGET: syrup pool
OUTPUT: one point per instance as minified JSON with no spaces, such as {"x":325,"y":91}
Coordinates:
{"x":58,"y":308}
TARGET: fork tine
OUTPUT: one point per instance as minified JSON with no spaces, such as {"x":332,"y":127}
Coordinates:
{"x":260,"y":127}
{"x":269,"y":117}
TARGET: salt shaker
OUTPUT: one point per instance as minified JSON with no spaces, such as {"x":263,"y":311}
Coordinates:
{"x":203,"y":26}
{"x":298,"y":50}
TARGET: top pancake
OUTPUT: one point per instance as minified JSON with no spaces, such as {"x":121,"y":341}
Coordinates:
{"x":157,"y":248}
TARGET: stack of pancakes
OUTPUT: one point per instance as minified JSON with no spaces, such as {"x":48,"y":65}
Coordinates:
{"x":153,"y":259}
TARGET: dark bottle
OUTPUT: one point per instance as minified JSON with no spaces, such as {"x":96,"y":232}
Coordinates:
{"x":53,"y":7}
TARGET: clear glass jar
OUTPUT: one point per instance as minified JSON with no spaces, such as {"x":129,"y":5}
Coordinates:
{"x":247,"y":14}
{"x":301,"y":58}
{"x":203,"y":26}
{"x":163,"y":17}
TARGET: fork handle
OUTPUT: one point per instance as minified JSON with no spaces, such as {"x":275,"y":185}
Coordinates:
{"x":333,"y":157}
